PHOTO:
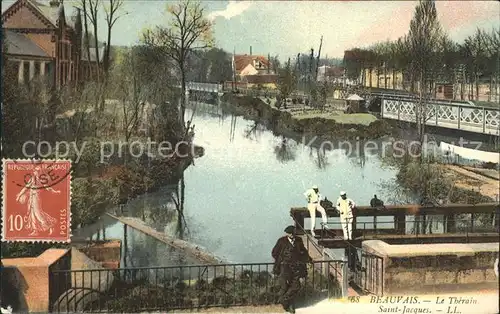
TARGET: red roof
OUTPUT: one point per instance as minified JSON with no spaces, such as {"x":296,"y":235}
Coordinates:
{"x":241,"y":61}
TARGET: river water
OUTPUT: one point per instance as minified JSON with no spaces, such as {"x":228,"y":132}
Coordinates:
{"x":239,"y":194}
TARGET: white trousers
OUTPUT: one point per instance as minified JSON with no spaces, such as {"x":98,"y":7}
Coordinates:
{"x":313,"y":207}
{"x":347,"y":227}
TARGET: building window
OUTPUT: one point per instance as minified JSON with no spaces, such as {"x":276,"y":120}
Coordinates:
{"x":440,"y":89}
{"x":26,"y":73}
{"x":37,"y":69}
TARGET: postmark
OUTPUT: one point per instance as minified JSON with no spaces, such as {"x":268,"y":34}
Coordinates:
{"x":36,"y":200}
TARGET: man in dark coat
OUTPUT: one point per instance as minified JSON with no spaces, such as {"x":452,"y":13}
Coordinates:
{"x":290,"y":264}
{"x":377,"y":203}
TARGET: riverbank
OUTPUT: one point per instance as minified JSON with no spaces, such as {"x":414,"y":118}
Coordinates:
{"x":471,"y":179}
{"x":312,"y":123}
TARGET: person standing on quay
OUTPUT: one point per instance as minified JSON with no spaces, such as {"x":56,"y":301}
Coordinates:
{"x":290,"y":265}
{"x":313,"y":204}
{"x":345,"y":207}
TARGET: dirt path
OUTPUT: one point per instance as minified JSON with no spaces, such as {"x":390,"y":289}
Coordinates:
{"x":473,"y":181}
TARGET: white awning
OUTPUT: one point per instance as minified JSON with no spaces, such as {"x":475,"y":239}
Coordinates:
{"x":354,"y":97}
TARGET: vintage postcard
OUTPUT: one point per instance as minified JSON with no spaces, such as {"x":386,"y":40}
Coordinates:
{"x":250,"y":156}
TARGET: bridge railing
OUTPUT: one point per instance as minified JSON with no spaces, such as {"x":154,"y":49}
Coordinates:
{"x":367,"y":270}
{"x":145,"y":289}
{"x":338,"y":270}
{"x":448,"y":115}
{"x":401,"y":213}
{"x":415,"y":228}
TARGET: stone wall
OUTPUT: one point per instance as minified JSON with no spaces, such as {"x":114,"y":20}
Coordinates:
{"x":430,"y":268}
{"x":29,"y":279}
{"x":107,"y":253}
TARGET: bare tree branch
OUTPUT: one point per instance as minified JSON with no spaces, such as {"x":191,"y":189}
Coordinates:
{"x":190,"y":30}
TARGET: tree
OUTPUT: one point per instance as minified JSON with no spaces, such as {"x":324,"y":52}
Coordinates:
{"x":275,"y":63}
{"x":86,"y":39}
{"x":92,"y":12}
{"x":112,"y":15}
{"x":287,"y":81}
{"x":423,"y":40}
{"x":220,"y":65}
{"x":189,"y":30}
{"x":493,"y":55}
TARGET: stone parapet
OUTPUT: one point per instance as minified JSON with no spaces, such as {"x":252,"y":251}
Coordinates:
{"x":29,"y":280}
{"x":431,"y":268}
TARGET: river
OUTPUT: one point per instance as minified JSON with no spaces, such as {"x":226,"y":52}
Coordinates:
{"x":238,"y":195}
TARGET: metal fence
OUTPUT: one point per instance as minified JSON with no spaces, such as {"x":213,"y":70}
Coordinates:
{"x":187,"y":287}
{"x":367,"y":270}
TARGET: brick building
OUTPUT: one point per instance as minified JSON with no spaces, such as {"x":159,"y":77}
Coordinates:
{"x":42,"y":41}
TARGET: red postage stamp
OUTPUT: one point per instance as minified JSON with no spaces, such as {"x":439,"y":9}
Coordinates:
{"x":36,"y":202}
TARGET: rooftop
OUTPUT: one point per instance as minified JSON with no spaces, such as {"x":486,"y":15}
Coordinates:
{"x":241,"y":61}
{"x":18,"y":44}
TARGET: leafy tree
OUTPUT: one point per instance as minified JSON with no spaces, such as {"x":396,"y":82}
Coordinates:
{"x":423,"y":38}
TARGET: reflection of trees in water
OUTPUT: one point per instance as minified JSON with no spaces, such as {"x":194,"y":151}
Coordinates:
{"x":357,"y":156}
{"x":141,"y":249}
{"x":233,"y":128}
{"x":254,"y":131}
{"x":319,"y":156}
{"x":178,"y":197}
{"x":285,"y":151}
{"x":204,"y":110}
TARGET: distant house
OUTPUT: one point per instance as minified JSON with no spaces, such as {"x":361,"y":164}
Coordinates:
{"x":331,"y":73}
{"x":42,"y":41}
{"x":267,"y":81}
{"x":254,"y":70}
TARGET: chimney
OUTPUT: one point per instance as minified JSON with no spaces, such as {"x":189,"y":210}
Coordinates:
{"x":250,"y":50}
{"x":54,"y":3}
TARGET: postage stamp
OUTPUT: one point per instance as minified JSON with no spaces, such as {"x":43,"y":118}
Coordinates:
{"x":36,"y":200}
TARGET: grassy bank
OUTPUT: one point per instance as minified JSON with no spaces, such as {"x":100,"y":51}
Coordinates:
{"x":324,"y":125}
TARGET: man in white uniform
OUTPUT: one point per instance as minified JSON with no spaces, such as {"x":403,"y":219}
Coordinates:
{"x":313,"y":204}
{"x":345,"y":207}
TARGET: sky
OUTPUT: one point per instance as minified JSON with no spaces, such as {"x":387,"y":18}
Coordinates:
{"x":286,"y":28}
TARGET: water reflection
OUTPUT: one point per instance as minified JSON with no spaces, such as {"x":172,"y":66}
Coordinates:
{"x":319,"y":156}
{"x":253,"y":131}
{"x":233,"y":127}
{"x":240,"y":193}
{"x":235,"y":202}
{"x":138,"y":249}
{"x":286,"y":150}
